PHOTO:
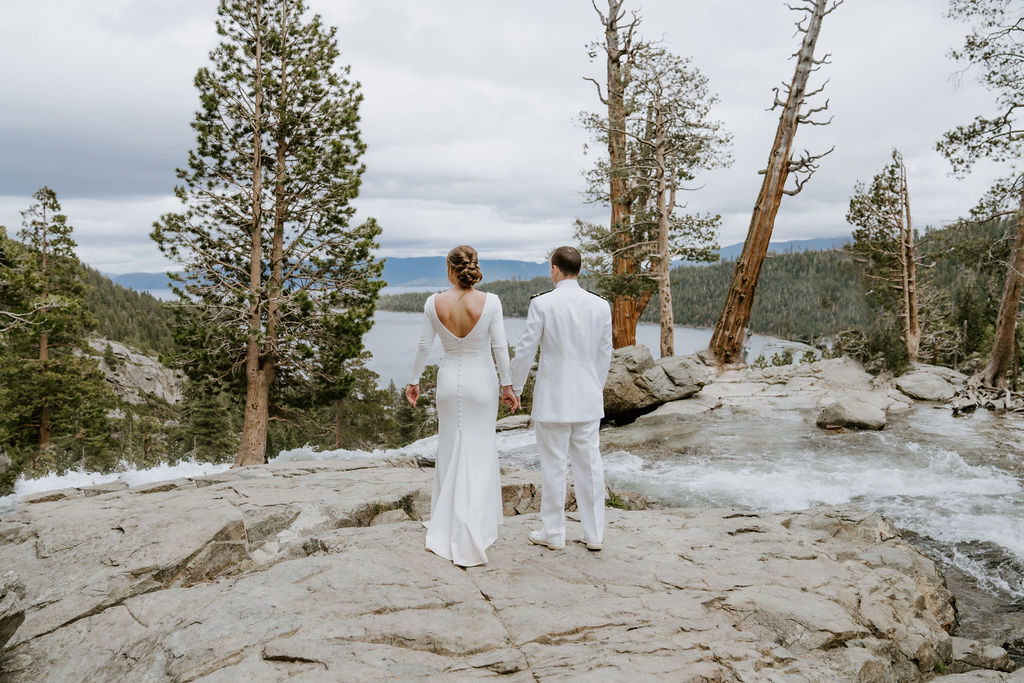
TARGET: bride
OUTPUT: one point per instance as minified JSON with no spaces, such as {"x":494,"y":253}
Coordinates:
{"x":465,"y":506}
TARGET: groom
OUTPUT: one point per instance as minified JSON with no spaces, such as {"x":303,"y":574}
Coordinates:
{"x":574,"y":331}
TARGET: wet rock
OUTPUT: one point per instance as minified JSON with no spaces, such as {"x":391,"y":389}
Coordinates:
{"x":674,"y":411}
{"x":851,"y":413}
{"x":925,"y":386}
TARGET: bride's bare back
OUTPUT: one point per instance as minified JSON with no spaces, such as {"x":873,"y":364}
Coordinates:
{"x":459,"y":310}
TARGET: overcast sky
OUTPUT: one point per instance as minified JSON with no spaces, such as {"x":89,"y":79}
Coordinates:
{"x":470,"y":113}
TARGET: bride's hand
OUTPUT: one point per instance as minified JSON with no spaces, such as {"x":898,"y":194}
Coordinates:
{"x":412,"y":394}
{"x":509,"y":398}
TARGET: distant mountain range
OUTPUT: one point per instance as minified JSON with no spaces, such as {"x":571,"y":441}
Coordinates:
{"x":732,"y":252}
{"x":429,"y":271}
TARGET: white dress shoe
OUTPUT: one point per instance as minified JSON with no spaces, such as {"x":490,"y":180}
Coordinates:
{"x":591,"y":546}
{"x":538,"y":538}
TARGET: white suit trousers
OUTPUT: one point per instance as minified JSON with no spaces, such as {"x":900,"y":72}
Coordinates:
{"x":578,"y":442}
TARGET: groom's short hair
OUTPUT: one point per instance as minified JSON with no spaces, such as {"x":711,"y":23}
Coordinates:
{"x":567,"y":260}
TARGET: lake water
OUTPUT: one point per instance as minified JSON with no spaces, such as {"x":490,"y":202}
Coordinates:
{"x":392,"y":341}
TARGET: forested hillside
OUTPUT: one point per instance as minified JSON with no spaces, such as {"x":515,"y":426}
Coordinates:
{"x":801,"y":295}
{"x":133,"y":318}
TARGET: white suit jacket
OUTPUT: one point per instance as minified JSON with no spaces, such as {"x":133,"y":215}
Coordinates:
{"x":574,"y":331}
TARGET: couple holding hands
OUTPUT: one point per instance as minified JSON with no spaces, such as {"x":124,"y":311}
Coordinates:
{"x":572,"y":328}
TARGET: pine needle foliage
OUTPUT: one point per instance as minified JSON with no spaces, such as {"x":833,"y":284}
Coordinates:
{"x":278,"y":282}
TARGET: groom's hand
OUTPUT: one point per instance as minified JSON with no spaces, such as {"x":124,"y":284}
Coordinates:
{"x":509,"y":398}
{"x":412,"y":394}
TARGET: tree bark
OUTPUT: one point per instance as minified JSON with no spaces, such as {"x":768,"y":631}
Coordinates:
{"x":252,"y":448}
{"x":626,"y":310}
{"x":912,"y":328}
{"x":729,"y":339}
{"x":44,"y":339}
{"x":665,"y":206}
{"x":994,"y":374}
{"x":44,"y":415}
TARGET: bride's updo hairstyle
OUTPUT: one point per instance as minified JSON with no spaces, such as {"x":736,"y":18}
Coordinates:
{"x":466,"y":264}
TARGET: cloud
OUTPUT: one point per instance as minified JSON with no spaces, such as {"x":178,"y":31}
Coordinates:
{"x":470,"y":113}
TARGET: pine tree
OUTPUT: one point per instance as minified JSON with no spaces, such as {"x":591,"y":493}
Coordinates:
{"x":994,"y":46}
{"x":209,"y":430}
{"x":53,"y":398}
{"x":883,"y":240}
{"x":278,"y":286}
{"x":669,"y":138}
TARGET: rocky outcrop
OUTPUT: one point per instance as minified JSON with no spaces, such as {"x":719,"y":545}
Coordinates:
{"x":636,"y":381}
{"x":134,"y":374}
{"x":971,"y":655}
{"x":12,"y":608}
{"x":316,"y":569}
{"x":851,"y":413}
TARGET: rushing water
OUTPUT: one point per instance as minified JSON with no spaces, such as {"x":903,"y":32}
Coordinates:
{"x":956,"y":483}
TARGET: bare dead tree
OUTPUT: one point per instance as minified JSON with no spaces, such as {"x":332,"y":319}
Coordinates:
{"x":729,"y":338}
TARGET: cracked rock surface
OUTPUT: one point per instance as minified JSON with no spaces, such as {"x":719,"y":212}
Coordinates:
{"x":275,"y":572}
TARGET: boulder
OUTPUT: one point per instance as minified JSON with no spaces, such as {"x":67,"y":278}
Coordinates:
{"x":636,"y":381}
{"x":925,"y":386}
{"x":12,"y":606}
{"x":633,"y":359}
{"x":851,"y":413}
{"x":969,"y":655}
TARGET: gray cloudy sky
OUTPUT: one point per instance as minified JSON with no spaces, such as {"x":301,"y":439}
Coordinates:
{"x":470,"y":113}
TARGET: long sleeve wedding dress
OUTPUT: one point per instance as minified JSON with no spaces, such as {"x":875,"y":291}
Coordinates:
{"x":465,"y":508}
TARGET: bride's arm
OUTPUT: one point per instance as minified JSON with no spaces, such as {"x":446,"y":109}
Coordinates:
{"x":499,"y":345}
{"x":423,"y":346}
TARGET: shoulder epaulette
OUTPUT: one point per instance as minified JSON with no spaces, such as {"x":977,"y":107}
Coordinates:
{"x":594,"y":293}
{"x":541,"y":294}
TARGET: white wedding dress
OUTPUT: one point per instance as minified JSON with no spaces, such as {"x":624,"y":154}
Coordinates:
{"x":465,"y":508}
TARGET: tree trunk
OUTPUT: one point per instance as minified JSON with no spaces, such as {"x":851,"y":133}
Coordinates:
{"x":44,"y":415}
{"x":729,"y":339}
{"x":625,"y":315}
{"x":252,"y":448}
{"x":665,"y":207}
{"x":994,"y":374}
{"x":912,"y":328}
{"x":44,"y":338}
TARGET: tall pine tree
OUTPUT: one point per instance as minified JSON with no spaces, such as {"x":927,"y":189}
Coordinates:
{"x":278,"y":286}
{"x":53,"y":398}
